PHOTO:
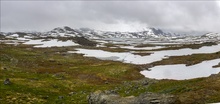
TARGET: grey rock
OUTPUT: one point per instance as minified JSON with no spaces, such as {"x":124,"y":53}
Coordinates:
{"x":106,"y":82}
{"x":7,"y":82}
{"x":155,"y":102}
{"x":72,"y":93}
{"x":59,"y":76}
{"x":145,"y":81}
{"x":153,"y":98}
{"x":60,"y":97}
{"x":106,"y":97}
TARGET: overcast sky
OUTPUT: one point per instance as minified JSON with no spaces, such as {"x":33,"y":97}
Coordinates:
{"x":111,"y":15}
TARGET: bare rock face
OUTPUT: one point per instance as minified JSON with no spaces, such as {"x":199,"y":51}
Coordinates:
{"x":107,"y":97}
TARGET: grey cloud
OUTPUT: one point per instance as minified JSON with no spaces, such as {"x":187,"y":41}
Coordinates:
{"x":45,"y":15}
{"x":162,"y":14}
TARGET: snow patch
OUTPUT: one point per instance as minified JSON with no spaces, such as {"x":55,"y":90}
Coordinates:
{"x":181,"y":71}
{"x":128,"y":57}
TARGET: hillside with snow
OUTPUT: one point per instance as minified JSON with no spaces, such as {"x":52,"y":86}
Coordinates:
{"x":91,"y":34}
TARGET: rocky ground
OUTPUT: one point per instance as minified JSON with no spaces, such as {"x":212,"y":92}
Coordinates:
{"x":107,"y":97}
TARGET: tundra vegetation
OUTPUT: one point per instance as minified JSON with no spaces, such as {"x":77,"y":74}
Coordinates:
{"x":51,"y":75}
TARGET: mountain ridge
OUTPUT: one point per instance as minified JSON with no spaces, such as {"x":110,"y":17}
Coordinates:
{"x":91,"y":33}
{"x":66,"y":31}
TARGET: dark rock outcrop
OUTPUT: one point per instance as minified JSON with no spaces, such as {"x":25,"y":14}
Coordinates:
{"x":107,"y":97}
{"x":85,"y":42}
{"x":2,"y":36}
{"x":21,"y":34}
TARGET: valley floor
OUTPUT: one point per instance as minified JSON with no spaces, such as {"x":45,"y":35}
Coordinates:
{"x":52,"y":75}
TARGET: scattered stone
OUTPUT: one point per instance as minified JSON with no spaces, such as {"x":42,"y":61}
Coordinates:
{"x":106,"y":82}
{"x":155,"y":102}
{"x":7,"y":82}
{"x":59,"y":76}
{"x":4,"y":68}
{"x":83,"y":92}
{"x":146,"y":68}
{"x":127,"y":92}
{"x":111,"y":92}
{"x":60,"y":97}
{"x":106,"y":97}
{"x":144,"y":82}
{"x":72,"y":93}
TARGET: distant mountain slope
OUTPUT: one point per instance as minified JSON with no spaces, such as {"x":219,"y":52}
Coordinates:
{"x":63,"y":32}
{"x":148,"y":33}
{"x":211,"y":35}
{"x":90,"y":33}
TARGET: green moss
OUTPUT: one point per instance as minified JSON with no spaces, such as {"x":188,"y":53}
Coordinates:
{"x":192,"y":46}
{"x":200,"y":90}
{"x":49,"y":75}
{"x":187,"y":59}
{"x":44,"y":74}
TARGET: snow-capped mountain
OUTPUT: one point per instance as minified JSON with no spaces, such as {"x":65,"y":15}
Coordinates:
{"x":2,"y":35}
{"x":85,"y":36}
{"x":96,"y":34}
{"x":149,"y":33}
{"x":63,"y":32}
{"x":211,"y":35}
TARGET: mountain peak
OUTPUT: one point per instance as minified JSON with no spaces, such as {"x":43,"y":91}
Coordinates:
{"x":64,"y":29}
{"x":68,"y":28}
{"x":212,"y":35}
{"x":157,"y":31}
{"x":58,"y":29}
